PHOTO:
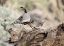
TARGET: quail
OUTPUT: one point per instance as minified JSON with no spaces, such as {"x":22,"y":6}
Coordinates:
{"x":23,"y":19}
{"x":33,"y":20}
{"x":36,"y":20}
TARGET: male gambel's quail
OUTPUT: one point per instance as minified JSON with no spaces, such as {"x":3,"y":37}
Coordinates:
{"x":33,"y":20}
{"x":24,"y":19}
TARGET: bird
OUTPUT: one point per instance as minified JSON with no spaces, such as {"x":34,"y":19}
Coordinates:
{"x":23,"y":19}
{"x":37,"y":21}
{"x":33,"y":20}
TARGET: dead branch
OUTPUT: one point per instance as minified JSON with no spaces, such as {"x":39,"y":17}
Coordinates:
{"x":41,"y":37}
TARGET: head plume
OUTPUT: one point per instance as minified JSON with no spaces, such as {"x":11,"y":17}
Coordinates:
{"x":24,"y":9}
